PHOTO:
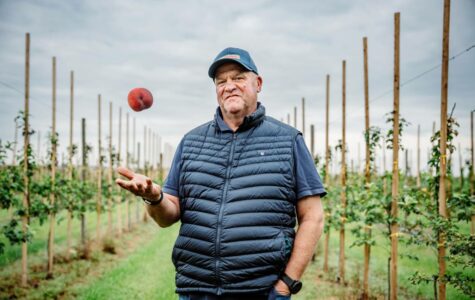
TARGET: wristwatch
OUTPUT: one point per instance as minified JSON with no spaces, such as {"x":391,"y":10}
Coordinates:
{"x":294,"y":285}
{"x":149,"y":202}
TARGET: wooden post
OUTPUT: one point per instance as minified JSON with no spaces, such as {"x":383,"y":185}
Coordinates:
{"x":26,"y":167}
{"x":443,"y":149}
{"x":119,"y":158}
{"x":38,"y":151}
{"x":341,"y":261}
{"x":472,"y":177}
{"x":312,"y":141}
{"x":135,"y":154}
{"x":145,"y":163}
{"x":295,"y":117}
{"x":395,"y":182}
{"x":462,"y":181}
{"x":367,"y":246}
{"x":149,"y":165}
{"x":127,"y":161}
{"x":50,"y":247}
{"x":152,"y":159}
{"x":406,"y":163}
{"x":109,"y":200}
{"x":303,"y":118}
{"x":149,"y":152}
{"x":70,"y":165}
{"x":161,"y":167}
{"x":40,"y":163}
{"x":134,"y":157}
{"x":433,"y":133}
{"x":83,"y":178}
{"x":137,"y":212}
{"x":418,"y":156}
{"x":15,"y":144}
{"x":99,"y":172}
{"x":327,"y":169}
{"x":358,"y":168}
{"x":157,"y":153}
{"x":472,"y":171}
{"x":145,"y":149}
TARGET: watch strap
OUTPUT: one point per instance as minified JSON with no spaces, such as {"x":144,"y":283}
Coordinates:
{"x":152,"y":203}
{"x":294,"y":285}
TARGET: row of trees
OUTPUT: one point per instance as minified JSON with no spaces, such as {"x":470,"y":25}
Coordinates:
{"x":432,"y":210}
{"x":32,"y":192}
{"x":427,"y":210}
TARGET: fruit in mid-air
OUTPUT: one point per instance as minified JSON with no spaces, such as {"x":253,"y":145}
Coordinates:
{"x":140,"y":99}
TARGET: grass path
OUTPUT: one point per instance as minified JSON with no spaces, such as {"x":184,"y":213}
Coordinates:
{"x":148,"y":273}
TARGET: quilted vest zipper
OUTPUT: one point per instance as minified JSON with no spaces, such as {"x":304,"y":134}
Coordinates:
{"x":220,"y":215}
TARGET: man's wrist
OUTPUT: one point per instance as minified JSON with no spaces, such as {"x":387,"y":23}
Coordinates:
{"x":154,"y":202}
{"x":282,"y":288}
{"x":293,"y":285}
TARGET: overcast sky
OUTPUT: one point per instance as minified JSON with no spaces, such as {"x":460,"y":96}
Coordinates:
{"x":167,"y":47}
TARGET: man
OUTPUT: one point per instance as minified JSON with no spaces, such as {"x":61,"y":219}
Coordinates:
{"x":238,"y":184}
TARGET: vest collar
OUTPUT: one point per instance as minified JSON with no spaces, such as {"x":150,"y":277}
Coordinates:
{"x":249,"y":121}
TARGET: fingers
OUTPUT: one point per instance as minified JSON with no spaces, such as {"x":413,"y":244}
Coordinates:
{"x":138,"y":185}
{"x":140,"y":188}
{"x":149,"y":185}
{"x":125,"y":172}
{"x":128,"y":185}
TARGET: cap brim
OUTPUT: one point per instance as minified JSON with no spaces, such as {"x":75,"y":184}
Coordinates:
{"x":212,"y":69}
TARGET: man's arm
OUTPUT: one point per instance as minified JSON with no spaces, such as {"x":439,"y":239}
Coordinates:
{"x":167,"y":212}
{"x":310,"y":218}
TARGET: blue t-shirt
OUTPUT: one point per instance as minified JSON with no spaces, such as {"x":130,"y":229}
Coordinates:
{"x":308,"y":182}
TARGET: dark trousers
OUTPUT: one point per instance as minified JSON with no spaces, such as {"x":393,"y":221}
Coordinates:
{"x":272,"y":295}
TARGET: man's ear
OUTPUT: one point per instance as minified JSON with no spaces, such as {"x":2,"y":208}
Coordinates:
{"x":259,"y":83}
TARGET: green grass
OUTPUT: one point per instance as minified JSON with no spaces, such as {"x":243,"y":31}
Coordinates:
{"x":324,"y":288}
{"x":146,"y":274}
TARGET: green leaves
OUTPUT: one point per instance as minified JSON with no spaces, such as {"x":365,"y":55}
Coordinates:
{"x":14,"y":233}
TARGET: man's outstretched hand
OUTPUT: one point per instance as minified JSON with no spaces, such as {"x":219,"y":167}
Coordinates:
{"x":138,"y":184}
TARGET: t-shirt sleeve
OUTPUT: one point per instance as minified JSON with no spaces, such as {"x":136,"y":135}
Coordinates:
{"x":308,"y":182}
{"x":172,"y":182}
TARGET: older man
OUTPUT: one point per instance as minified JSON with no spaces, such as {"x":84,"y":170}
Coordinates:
{"x":238,"y":184}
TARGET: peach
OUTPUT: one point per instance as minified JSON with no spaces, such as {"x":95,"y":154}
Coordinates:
{"x":140,"y":99}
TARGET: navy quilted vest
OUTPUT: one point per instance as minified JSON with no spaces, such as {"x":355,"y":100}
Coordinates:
{"x":237,"y":202}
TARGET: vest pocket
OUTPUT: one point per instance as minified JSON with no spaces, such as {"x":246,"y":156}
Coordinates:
{"x":286,"y":246}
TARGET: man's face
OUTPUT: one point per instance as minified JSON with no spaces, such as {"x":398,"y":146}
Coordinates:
{"x":236,"y":90}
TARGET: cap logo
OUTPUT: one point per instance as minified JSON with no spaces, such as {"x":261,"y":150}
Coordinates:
{"x":231,"y":56}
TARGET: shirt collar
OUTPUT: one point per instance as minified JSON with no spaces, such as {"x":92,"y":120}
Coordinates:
{"x":249,"y":121}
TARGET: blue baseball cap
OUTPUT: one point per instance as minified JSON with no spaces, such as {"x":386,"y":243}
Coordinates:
{"x":235,"y":55}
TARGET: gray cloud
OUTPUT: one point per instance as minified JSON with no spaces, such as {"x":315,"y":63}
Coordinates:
{"x":166,"y":46}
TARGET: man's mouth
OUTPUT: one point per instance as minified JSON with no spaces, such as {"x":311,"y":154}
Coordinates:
{"x":230,"y":96}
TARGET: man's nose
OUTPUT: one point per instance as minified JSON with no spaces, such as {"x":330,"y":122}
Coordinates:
{"x":229,"y":86}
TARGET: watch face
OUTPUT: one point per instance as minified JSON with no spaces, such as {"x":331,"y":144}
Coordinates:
{"x":296,"y":287}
